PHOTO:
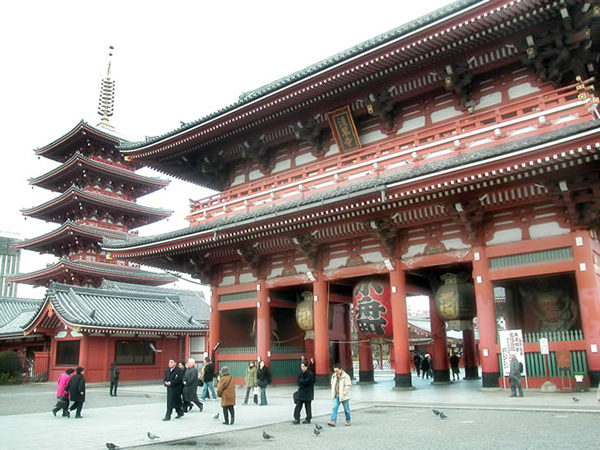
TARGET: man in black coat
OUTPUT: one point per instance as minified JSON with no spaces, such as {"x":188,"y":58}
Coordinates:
{"x":305,"y":393}
{"x":174,"y":382}
{"x":76,"y":388}
{"x":190,"y":387}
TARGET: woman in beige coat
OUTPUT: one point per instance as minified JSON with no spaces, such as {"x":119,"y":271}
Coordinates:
{"x":226,"y":390}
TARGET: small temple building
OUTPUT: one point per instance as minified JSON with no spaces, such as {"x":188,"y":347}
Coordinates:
{"x":456,"y":156}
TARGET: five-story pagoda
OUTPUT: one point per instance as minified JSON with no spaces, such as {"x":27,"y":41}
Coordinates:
{"x":97,"y":198}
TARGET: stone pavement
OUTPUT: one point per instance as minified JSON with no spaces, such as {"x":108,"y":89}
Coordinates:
{"x":27,"y":423}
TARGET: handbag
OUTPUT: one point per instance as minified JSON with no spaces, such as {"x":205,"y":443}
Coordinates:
{"x":255,"y":392}
{"x":200,"y":382}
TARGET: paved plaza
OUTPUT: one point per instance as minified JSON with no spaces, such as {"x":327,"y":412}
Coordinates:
{"x":383,"y":418}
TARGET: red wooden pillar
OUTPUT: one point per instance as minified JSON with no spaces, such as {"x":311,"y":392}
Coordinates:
{"x":263,"y":323}
{"x":214,"y":334}
{"x":83,"y":351}
{"x":186,"y":347}
{"x":486,"y":317}
{"x":321,"y":307}
{"x":439,"y":349}
{"x":470,"y":355}
{"x":402,"y":376}
{"x":365,"y":360}
{"x":589,"y":298}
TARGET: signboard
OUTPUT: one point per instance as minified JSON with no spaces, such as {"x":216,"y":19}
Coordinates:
{"x":544,"y":346}
{"x":511,"y":341}
{"x":343,"y":129}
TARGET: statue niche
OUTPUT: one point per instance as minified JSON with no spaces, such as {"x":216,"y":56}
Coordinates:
{"x":551,"y":303}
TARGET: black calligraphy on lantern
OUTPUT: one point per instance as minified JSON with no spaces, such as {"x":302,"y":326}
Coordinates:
{"x":370,"y":319}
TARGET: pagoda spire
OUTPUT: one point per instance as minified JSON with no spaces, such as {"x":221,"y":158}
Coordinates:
{"x":107,"y":95}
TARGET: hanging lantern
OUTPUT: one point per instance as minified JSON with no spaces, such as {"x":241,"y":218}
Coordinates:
{"x":304,"y":312}
{"x":373,"y":308}
{"x":455,"y":302}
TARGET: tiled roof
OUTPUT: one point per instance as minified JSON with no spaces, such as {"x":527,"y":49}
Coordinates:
{"x":81,"y":161}
{"x":99,"y":269}
{"x":356,"y":189}
{"x":425,"y":325}
{"x":193,"y":301}
{"x":75,"y":194}
{"x":17,"y":313}
{"x":70,"y":228}
{"x":111,"y":309}
{"x":82,"y":125}
{"x":248,"y":97}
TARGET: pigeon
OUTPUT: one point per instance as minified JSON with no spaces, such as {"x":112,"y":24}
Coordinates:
{"x":316,"y":431}
{"x":318,"y":427}
{"x":111,"y":446}
{"x":575,"y":399}
{"x":267,"y":436}
{"x":436,"y":412}
{"x":152,"y":436}
{"x":442,"y":415}
{"x":216,"y":416}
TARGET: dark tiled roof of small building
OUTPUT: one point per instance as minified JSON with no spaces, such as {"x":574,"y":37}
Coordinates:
{"x":193,"y":301}
{"x":109,"y":309}
{"x":16,"y":314}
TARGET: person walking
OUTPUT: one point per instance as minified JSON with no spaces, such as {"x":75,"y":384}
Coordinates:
{"x":190,"y":387}
{"x":340,"y":393}
{"x":454,"y":362}
{"x":226,"y":390}
{"x":114,"y":378}
{"x":208,"y":375}
{"x":263,"y":379}
{"x":76,"y":389}
{"x":425,"y":367}
{"x":251,"y":382}
{"x":417,"y":362}
{"x":62,"y":393}
{"x":304,"y":394}
{"x":173,"y":380}
{"x":514,"y":376}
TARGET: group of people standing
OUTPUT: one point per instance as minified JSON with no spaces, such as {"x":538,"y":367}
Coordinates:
{"x":423,"y":365}
{"x":182,"y":381}
{"x":71,"y":388}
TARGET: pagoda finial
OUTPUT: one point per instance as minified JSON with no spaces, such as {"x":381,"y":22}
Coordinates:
{"x":107,"y":95}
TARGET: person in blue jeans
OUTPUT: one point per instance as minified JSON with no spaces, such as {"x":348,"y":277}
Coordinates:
{"x":340,"y":393}
{"x":208,"y":375}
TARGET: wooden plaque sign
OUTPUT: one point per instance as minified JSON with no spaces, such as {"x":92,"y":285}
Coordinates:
{"x":563,"y":359}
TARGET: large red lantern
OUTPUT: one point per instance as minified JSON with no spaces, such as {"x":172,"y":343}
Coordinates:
{"x":373,"y":308}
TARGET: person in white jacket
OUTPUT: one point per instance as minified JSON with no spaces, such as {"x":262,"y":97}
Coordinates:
{"x":340,"y":393}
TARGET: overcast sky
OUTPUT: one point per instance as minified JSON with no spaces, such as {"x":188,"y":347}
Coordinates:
{"x":173,"y":61}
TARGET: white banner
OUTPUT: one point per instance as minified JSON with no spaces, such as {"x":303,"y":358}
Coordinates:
{"x":511,"y":341}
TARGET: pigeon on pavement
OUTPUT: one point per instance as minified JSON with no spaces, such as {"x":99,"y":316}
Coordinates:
{"x":267,"y":436}
{"x":575,"y":399}
{"x":442,"y":415}
{"x":316,"y":431}
{"x":111,"y":446}
{"x":152,"y":436}
{"x":318,"y":427}
{"x":216,"y":416}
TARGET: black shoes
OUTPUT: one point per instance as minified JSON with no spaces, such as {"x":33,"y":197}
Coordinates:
{"x":296,"y":422}
{"x":179,"y":416}
{"x":307,"y":420}
{"x":166,"y":419}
